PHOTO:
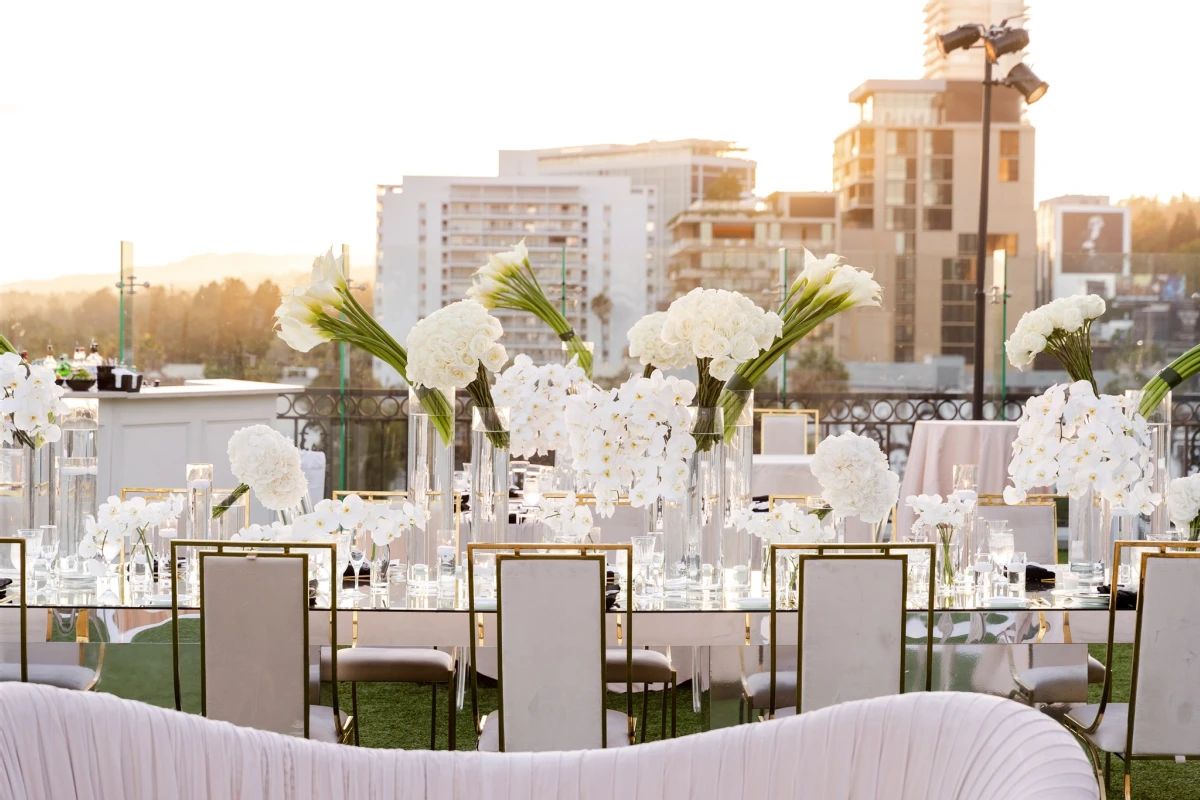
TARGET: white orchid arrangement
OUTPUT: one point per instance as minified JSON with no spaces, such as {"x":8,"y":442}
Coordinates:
{"x":565,"y":516}
{"x":264,"y":461}
{"x":118,"y":520}
{"x":381,"y":521}
{"x":537,"y":396}
{"x":508,"y":281}
{"x":634,"y":437}
{"x":648,"y":347}
{"x":1074,"y":439}
{"x":785,"y":523}
{"x":454,"y":348}
{"x":855,"y":478}
{"x":945,"y":517}
{"x":1183,"y":505}
{"x":254,"y":532}
{"x":30,"y":403}
{"x":825,"y":287}
{"x":326,"y":310}
{"x":1061,"y":328}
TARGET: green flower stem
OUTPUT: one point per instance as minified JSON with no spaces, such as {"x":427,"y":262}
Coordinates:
{"x":1157,"y":387}
{"x":6,"y":345}
{"x":708,"y":393}
{"x":1074,"y":352}
{"x":648,"y":371}
{"x":481,"y":393}
{"x":220,"y":508}
{"x":1194,"y":530}
{"x":946,"y":534}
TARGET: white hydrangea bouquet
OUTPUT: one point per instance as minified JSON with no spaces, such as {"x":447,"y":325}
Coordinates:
{"x":454,"y":348}
{"x":855,"y":478}
{"x":1061,"y":328}
{"x":537,"y":397}
{"x":30,"y":404}
{"x":565,"y":516}
{"x":825,"y":287}
{"x":722,"y":330}
{"x":1183,"y":505}
{"x":652,"y":352}
{"x":1074,"y":439}
{"x":508,"y":281}
{"x":264,"y":461}
{"x":326,"y":310}
{"x":634,"y":437}
{"x":785,"y":523}
{"x":945,"y":517}
{"x":118,"y":520}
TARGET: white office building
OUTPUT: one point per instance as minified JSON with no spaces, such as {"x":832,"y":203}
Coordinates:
{"x":943,"y":16}
{"x":587,"y":240}
{"x":677,"y":173}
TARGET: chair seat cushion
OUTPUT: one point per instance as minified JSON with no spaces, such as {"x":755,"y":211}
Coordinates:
{"x":389,"y":665}
{"x":63,"y":676}
{"x":1110,"y":736}
{"x":618,"y":731}
{"x":1095,"y":670}
{"x":1059,"y":684}
{"x":322,"y":728}
{"x":649,"y":666}
{"x":758,"y":689}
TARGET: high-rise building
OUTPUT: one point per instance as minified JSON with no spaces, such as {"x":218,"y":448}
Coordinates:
{"x":587,"y":244}
{"x":908,"y":178}
{"x":679,"y":172}
{"x":942,"y":16}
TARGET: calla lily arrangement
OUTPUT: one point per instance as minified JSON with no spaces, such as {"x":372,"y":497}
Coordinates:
{"x":825,"y":287}
{"x":1167,"y":379}
{"x":327,"y":311}
{"x":508,"y":281}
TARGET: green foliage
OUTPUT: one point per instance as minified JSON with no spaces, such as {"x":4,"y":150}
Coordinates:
{"x":1169,"y":227}
{"x":727,"y":186}
{"x":817,"y":369}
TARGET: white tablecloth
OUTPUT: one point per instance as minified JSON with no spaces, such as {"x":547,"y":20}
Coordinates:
{"x":937,"y":445}
{"x":780,"y":474}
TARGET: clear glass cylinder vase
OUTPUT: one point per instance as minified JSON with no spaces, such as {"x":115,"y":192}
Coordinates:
{"x":199,"y":501}
{"x":704,"y":551}
{"x":232,"y":520}
{"x":431,"y":492}
{"x":738,"y":547}
{"x":1087,"y":538}
{"x":78,"y":485}
{"x":948,"y":567}
{"x":489,"y":475}
{"x":288,"y":516}
{"x":41,"y":496}
{"x":1160,"y":459}
{"x":13,"y":486}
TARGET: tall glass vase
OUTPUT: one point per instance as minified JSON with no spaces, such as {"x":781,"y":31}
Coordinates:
{"x":233,"y":520}
{"x":13,"y":486}
{"x":738,"y":547}
{"x":199,"y":501}
{"x":288,"y":515}
{"x":78,"y":485}
{"x":42,"y":494}
{"x":704,"y":554}
{"x":1160,"y":458}
{"x":948,"y":566}
{"x":489,"y":476}
{"x":431,"y":491}
{"x":1087,"y":538}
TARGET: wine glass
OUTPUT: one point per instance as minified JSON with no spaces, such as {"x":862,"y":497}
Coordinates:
{"x":344,"y":544}
{"x":358,"y":557}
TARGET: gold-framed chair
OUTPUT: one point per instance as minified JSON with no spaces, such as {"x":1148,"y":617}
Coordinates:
{"x":830,"y":570}
{"x":253,"y":644}
{"x":785,"y":431}
{"x":543,"y":661}
{"x":1162,"y":680}
{"x":1041,"y":546}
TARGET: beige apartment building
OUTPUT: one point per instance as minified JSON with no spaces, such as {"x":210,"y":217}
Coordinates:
{"x":907,"y":179}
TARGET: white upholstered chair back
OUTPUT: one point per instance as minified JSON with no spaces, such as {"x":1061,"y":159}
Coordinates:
{"x":14,"y":616}
{"x":786,"y":434}
{"x":550,"y":641}
{"x":1034,"y":525}
{"x":254,"y":640}
{"x":1165,"y":690}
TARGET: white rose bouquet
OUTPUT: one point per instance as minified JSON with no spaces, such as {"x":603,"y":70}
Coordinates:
{"x":565,"y":516}
{"x":945,"y":517}
{"x":30,"y":403}
{"x":825,"y":287}
{"x":855,"y":478}
{"x":1061,"y":328}
{"x":1072,"y":438}
{"x":263,"y":460}
{"x":537,"y":397}
{"x":454,"y":348}
{"x":1183,"y":505}
{"x":646,"y":344}
{"x":508,"y":281}
{"x":326,"y":310}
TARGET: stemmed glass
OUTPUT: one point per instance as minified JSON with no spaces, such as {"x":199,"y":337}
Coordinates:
{"x":341,"y":561}
{"x":358,"y":556}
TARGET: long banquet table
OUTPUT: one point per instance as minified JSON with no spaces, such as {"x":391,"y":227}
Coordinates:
{"x":975,"y":649}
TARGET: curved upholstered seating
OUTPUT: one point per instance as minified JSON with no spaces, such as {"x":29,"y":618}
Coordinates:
{"x":921,"y":746}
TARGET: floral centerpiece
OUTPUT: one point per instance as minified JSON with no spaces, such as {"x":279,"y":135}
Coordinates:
{"x":946,"y":517}
{"x":508,"y":281}
{"x":1167,"y":379}
{"x":635,"y":437}
{"x":825,"y":287}
{"x":30,"y":403}
{"x":537,"y":396}
{"x":648,"y":347}
{"x":564,"y":516}
{"x":263,"y":460}
{"x":454,"y":348}
{"x":1061,"y":328}
{"x":1183,"y":505}
{"x":119,"y":520}
{"x":785,"y":523}
{"x":855,"y":478}
{"x":326,"y":310}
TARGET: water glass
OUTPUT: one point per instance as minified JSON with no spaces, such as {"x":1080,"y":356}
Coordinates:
{"x":643,"y":559}
{"x":965,"y":477}
{"x":1016,"y":571}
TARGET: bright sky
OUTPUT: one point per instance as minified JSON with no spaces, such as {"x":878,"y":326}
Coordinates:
{"x":255,"y":127}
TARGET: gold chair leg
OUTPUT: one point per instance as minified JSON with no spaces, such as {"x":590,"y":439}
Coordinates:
{"x":674,"y":686}
{"x":433,"y":717}
{"x":662,"y":736}
{"x":354,"y":708}
{"x":450,"y":719}
{"x":1128,"y":778}
{"x":645,"y":713}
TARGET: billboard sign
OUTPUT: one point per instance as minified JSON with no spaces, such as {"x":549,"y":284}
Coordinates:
{"x":1093,"y":241}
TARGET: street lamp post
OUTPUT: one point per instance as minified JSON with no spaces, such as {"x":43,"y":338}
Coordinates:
{"x":981,"y":245}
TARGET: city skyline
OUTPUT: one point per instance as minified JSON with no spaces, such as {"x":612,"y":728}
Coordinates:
{"x":258,"y":132}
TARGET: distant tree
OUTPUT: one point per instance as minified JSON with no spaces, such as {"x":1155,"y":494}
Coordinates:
{"x":1183,"y":230}
{"x":1150,"y":227}
{"x":726,"y":186}
{"x":817,"y":369}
